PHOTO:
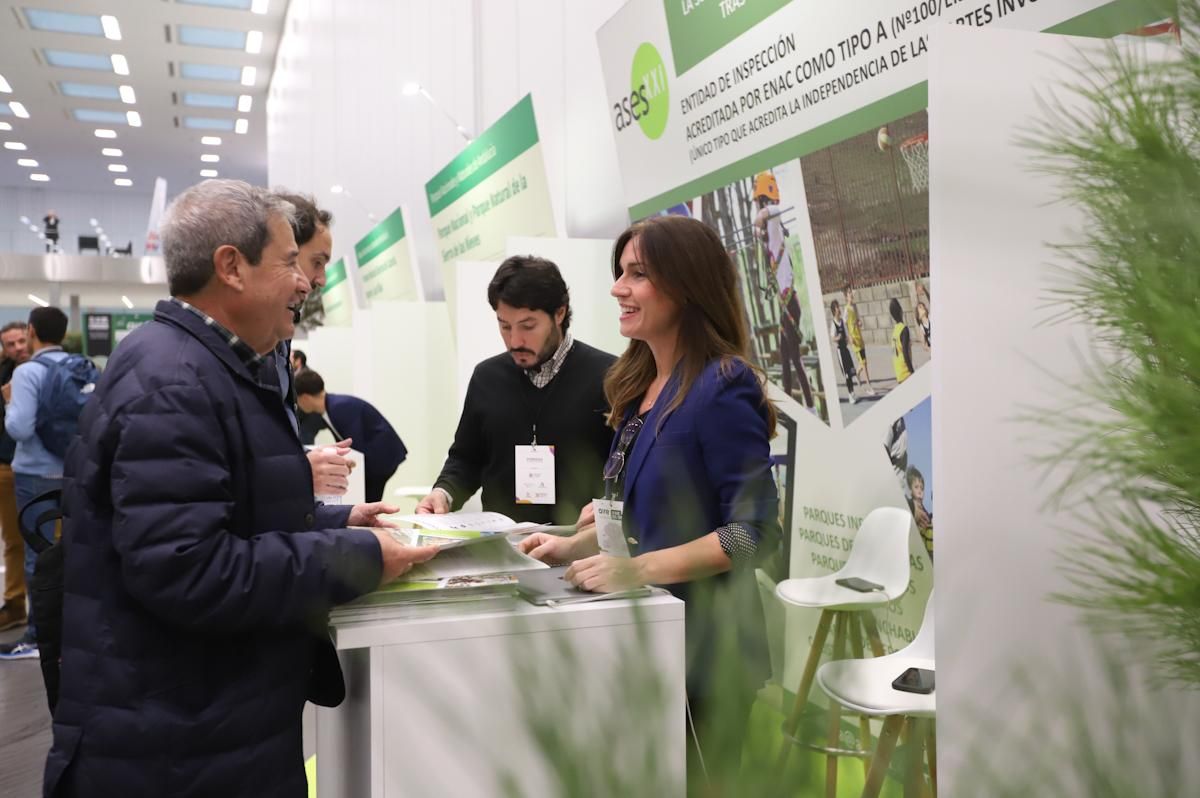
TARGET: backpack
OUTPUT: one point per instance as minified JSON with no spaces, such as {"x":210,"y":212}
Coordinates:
{"x":68,"y":385}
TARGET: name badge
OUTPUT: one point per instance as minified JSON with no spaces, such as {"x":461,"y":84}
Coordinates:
{"x":535,"y":474}
{"x":610,"y":532}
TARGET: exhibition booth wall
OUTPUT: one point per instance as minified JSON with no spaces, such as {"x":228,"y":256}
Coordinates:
{"x":857,"y":201}
{"x":336,"y":116}
{"x":1013,"y":661}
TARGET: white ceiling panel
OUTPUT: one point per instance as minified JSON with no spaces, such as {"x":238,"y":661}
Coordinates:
{"x":58,"y":61}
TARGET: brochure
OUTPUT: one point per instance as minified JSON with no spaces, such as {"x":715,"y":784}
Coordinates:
{"x":456,"y":588}
{"x":488,"y":554}
{"x":451,"y":530}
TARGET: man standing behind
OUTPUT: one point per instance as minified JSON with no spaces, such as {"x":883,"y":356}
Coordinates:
{"x":36,"y":470}
{"x":349,"y":417}
{"x":199,"y":570}
{"x":314,"y":237}
{"x":14,"y":339}
{"x":532,"y":431}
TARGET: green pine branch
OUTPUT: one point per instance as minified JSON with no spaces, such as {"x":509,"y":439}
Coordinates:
{"x":1123,"y":142}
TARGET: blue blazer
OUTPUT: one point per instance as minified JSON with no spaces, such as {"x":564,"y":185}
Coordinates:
{"x":708,"y":465}
{"x":372,"y":434}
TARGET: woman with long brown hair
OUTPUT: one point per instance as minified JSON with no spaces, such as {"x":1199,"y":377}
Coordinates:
{"x":689,"y":471}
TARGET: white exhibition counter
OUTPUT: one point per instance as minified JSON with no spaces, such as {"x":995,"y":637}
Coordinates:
{"x":468,"y":698}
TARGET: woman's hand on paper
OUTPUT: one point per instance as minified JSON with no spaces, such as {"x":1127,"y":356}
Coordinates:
{"x":559,"y":550}
{"x":603,"y":573}
{"x":587,"y":517}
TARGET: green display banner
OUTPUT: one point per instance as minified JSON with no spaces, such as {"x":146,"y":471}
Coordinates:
{"x":338,"y":295}
{"x":698,"y":28}
{"x":125,"y":323}
{"x":513,"y":134}
{"x":701,"y":94}
{"x":494,"y":189}
{"x":385,"y":261}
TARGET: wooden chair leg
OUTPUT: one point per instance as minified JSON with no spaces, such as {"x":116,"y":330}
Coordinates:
{"x":873,"y":633}
{"x":883,"y":756}
{"x":914,"y":768}
{"x":931,"y":753}
{"x":864,"y":724}
{"x":806,"y":680}
{"x":835,"y":710}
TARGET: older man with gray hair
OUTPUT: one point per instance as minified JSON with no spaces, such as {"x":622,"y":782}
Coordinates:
{"x":199,"y":571}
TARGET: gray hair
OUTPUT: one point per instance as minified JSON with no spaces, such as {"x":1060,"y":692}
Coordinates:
{"x":210,"y":215}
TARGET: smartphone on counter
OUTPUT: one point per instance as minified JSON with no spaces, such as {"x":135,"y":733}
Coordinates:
{"x":861,"y":585}
{"x":914,"y":680}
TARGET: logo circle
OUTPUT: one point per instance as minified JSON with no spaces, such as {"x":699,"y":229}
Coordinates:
{"x":649,"y":74}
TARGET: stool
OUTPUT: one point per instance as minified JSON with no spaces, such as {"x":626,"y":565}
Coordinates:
{"x":865,"y":686}
{"x":879,"y":555}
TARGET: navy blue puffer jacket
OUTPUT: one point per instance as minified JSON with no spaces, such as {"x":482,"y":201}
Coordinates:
{"x":199,"y":576}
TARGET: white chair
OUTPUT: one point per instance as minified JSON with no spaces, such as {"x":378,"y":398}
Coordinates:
{"x":865,"y":686}
{"x":879,"y":555}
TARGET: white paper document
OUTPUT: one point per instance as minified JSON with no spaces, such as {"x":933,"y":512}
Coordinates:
{"x":492,"y":555}
{"x":467,"y":522}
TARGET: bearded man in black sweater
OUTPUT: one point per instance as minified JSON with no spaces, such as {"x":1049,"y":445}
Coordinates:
{"x":532,"y":432}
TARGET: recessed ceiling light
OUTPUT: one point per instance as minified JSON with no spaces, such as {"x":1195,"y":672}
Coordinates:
{"x":122,"y":181}
{"x":18,"y":109}
{"x":69,"y":59}
{"x":118,"y":167}
{"x":208,"y":172}
{"x":410,"y":89}
{"x":112,"y":28}
{"x":209,"y":157}
{"x":227,"y":74}
{"x":128,"y":302}
{"x":93,"y":222}
{"x":14,"y":145}
{"x":64,"y":22}
{"x":105,"y":133}
{"x":99,"y":116}
{"x":111,"y":152}
{"x":211,"y":141}
{"x":38,"y":177}
{"x":134,"y":118}
{"x":90,"y":91}
{"x":37,"y":300}
{"x":336,"y":189}
{"x":249,"y":73}
{"x":254,"y":42}
{"x":259,"y":6}
{"x":241,"y":126}
{"x":26,"y":162}
{"x":4,"y":87}
{"x":244,"y":103}
{"x":99,"y":230}
{"x":5,"y":126}
{"x":127,"y":95}
{"x":33,"y":228}
{"x":119,"y":64}
{"x":199,"y":99}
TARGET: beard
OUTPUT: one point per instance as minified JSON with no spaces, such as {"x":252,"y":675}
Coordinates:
{"x":548,"y":350}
